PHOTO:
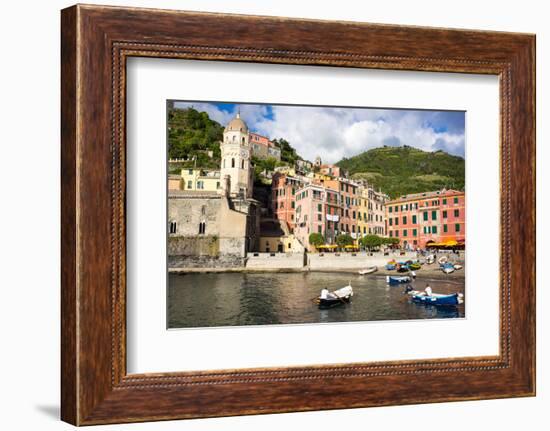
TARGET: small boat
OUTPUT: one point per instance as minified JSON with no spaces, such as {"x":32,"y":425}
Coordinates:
{"x":447,"y":268}
{"x":430,"y":259}
{"x":368,"y":270}
{"x":403,"y":268}
{"x":390,"y":279}
{"x":438,"y":299}
{"x":330,"y":299}
{"x":457,"y":267}
{"x":390,"y":267}
{"x":415,"y":266}
{"x":442,"y":260}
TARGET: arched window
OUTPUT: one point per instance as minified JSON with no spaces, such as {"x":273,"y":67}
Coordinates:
{"x":242,"y":164}
{"x":224,"y":163}
{"x":203,"y":210}
{"x":243,"y":140}
{"x":202,"y":228}
{"x":232,"y":162}
{"x":234,"y":138}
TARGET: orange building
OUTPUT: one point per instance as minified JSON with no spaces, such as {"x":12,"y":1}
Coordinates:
{"x":423,"y":218}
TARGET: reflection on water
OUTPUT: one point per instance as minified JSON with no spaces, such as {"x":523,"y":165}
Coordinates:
{"x":235,"y":299}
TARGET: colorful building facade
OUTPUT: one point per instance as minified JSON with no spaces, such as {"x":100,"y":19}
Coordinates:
{"x":263,"y":148}
{"x":421,"y":219}
{"x":310,"y":213}
{"x":376,"y":223}
{"x":335,"y":205}
{"x":283,"y":201}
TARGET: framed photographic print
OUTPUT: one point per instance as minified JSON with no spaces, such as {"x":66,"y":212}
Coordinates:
{"x":319,"y":214}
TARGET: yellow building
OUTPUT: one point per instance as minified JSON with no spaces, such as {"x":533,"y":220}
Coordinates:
{"x":275,"y":238}
{"x":363,"y":212}
{"x":286,"y":170}
{"x":198,"y":179}
{"x":319,"y":176}
{"x":278,"y":244}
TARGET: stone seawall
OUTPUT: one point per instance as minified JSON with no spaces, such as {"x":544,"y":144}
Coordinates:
{"x":275,"y":261}
{"x":201,"y":246}
{"x":206,"y":262}
{"x":328,"y":261}
{"x":294,"y":261}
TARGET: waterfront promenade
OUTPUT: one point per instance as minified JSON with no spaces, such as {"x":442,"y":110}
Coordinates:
{"x":334,"y":262}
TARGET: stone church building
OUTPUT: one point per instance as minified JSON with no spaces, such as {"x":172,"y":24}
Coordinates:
{"x":216,"y":228}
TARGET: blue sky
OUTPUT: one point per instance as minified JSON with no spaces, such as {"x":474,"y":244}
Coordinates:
{"x":334,"y":133}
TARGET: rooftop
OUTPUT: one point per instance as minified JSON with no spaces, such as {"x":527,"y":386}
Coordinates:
{"x":237,"y":124}
{"x":426,"y":195}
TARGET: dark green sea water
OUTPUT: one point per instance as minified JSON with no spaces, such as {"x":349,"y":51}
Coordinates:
{"x":236,"y":299}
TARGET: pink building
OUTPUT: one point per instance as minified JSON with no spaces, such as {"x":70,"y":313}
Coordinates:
{"x":423,"y":218}
{"x":283,"y":202}
{"x":453,"y":216}
{"x":310,"y":213}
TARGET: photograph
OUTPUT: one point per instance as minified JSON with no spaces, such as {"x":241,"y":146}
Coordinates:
{"x":300,"y":214}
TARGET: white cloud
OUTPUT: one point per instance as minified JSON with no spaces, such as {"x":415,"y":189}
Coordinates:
{"x":334,"y":133}
{"x":337,"y":133}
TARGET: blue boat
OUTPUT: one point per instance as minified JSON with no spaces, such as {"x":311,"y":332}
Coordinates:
{"x":437,"y":299}
{"x":398,"y":280}
{"x":390,"y":267}
{"x":447,"y":267}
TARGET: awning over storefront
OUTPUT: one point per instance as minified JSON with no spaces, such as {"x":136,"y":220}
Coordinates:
{"x":449,"y":243}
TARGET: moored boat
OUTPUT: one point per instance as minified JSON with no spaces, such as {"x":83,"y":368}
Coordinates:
{"x":330,"y":299}
{"x":457,"y":267}
{"x":390,"y":267}
{"x":368,"y":270}
{"x":430,"y":259}
{"x":447,"y":268}
{"x":438,"y":299}
{"x":390,"y":279}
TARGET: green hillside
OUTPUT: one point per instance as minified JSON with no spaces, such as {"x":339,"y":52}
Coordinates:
{"x":402,"y":170}
{"x":194,"y":136}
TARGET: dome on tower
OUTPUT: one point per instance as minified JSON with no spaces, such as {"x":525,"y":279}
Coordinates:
{"x":236,"y":125}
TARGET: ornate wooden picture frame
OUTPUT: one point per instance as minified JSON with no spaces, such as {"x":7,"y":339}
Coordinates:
{"x":96,"y":42}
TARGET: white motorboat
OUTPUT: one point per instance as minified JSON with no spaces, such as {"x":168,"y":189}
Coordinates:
{"x":369,"y":270}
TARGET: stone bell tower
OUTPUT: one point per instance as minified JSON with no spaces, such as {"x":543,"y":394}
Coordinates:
{"x":236,"y":158}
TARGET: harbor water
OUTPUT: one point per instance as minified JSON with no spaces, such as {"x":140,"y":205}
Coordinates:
{"x":237,"y":299}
